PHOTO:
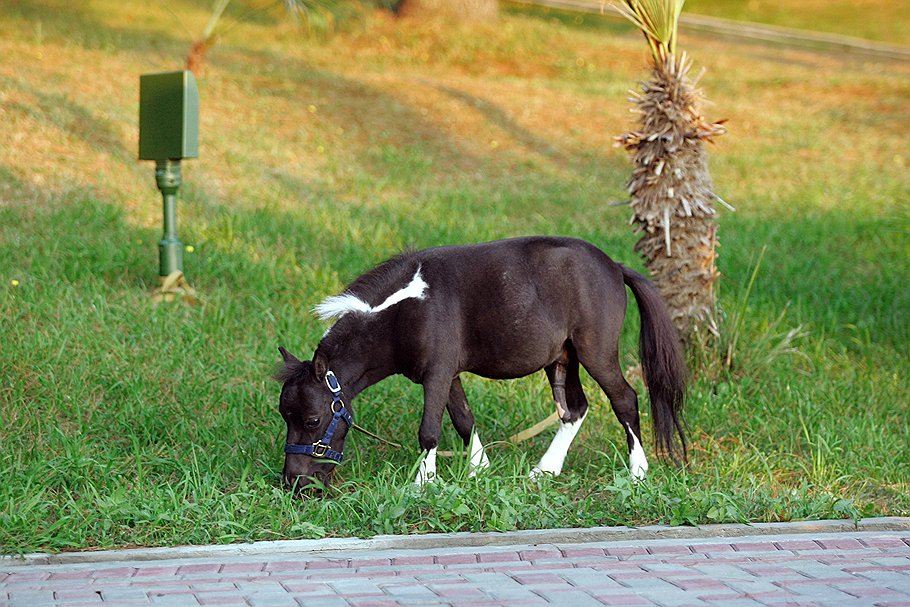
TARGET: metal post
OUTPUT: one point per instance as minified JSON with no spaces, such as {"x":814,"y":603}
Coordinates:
{"x":170,"y":249}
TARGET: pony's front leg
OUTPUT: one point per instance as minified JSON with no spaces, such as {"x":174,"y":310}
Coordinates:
{"x":435,"y":397}
{"x":463,"y":420}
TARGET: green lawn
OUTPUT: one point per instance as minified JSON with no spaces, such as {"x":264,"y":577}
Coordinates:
{"x":124,"y":423}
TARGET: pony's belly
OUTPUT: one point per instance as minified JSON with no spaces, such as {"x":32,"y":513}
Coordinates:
{"x":512,"y":360}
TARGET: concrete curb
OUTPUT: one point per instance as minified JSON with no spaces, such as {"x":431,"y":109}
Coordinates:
{"x":464,"y":540}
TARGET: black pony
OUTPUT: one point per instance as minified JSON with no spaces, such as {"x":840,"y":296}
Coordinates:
{"x":502,"y":310}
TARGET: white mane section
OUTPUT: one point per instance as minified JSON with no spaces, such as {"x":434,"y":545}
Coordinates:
{"x":339,"y":305}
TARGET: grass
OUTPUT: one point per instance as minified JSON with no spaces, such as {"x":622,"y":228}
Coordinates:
{"x":870,"y":19}
{"x":125,"y":423}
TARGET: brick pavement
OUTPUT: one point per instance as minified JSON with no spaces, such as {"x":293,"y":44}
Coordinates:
{"x":829,"y":569}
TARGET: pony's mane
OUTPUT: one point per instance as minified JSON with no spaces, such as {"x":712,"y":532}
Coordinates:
{"x":370,"y":288}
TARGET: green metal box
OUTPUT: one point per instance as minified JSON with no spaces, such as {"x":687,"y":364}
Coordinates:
{"x":168,"y":116}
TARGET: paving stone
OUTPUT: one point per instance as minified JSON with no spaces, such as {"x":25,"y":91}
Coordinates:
{"x":891,"y":543}
{"x":797,"y":545}
{"x":841,"y":544}
{"x":876,"y":593}
{"x":573,"y":597}
{"x":114,"y":572}
{"x":230,"y":568}
{"x":669,"y":549}
{"x":456,"y":559}
{"x":358,"y":563}
{"x":625,"y":551}
{"x":754,"y":547}
{"x":118,"y":595}
{"x":322,"y":602}
{"x":20,"y":577}
{"x":162,"y":571}
{"x":413,"y":560}
{"x":589,"y":579}
{"x":887,"y":577}
{"x":498,"y":557}
{"x":458,"y":591}
{"x":304,"y":587}
{"x":176,"y":600}
{"x":698,"y":584}
{"x":537,"y":578}
{"x":632,"y":600}
{"x":723,"y":571}
{"x":372,"y":602}
{"x":32,"y":597}
{"x":518,"y":594}
{"x":534,"y":555}
{"x":221,"y":598}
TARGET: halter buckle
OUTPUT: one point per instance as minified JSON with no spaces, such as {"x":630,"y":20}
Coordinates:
{"x":332,"y":382}
{"x":319,"y":449}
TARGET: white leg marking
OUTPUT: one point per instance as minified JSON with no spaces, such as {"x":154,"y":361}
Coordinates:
{"x":638,"y":463}
{"x":339,"y":305}
{"x":426,"y":473}
{"x":479,"y":457}
{"x":552,"y":460}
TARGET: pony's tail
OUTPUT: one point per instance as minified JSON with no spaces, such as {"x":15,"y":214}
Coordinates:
{"x":663,"y":364}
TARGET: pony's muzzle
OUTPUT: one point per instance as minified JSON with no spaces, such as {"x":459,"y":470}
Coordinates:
{"x":313,"y":477}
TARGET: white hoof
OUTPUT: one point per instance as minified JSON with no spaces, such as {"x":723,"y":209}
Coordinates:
{"x":479,"y":459}
{"x":537,"y":472}
{"x":638,"y":463}
{"x":638,"y":470}
{"x":426,"y":472}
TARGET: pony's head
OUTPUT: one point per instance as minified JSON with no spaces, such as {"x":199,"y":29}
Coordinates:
{"x":317,"y":421}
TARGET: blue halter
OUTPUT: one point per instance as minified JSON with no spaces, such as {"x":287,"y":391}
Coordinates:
{"x":322,"y":448}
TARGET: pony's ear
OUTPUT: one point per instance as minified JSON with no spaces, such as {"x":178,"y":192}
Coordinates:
{"x":287,"y":356}
{"x":320,"y":366}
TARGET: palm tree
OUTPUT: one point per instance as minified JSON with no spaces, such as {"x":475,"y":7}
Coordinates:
{"x":672,"y":195}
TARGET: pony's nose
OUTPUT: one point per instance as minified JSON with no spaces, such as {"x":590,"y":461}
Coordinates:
{"x":292,"y":482}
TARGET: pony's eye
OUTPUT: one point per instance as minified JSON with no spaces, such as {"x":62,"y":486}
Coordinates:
{"x":311,"y":423}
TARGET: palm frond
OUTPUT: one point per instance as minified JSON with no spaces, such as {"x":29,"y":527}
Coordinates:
{"x":658,"y":20}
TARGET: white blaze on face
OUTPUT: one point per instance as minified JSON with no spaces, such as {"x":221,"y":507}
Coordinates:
{"x":638,"y":463}
{"x":553,"y":459}
{"x":339,"y":305}
{"x":426,"y":472}
{"x":479,"y":457}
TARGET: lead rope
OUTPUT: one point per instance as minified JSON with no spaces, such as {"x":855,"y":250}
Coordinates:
{"x":521,"y":436}
{"x":376,"y":436}
{"x":514,"y":439}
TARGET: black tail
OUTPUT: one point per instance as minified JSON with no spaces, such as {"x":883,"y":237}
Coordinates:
{"x":662,"y":362}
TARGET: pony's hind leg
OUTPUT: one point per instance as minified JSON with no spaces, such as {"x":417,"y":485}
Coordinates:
{"x":463,"y":420}
{"x":572,"y":407}
{"x":624,"y":401}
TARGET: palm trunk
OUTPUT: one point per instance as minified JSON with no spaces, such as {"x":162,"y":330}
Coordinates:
{"x":672,"y":194}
